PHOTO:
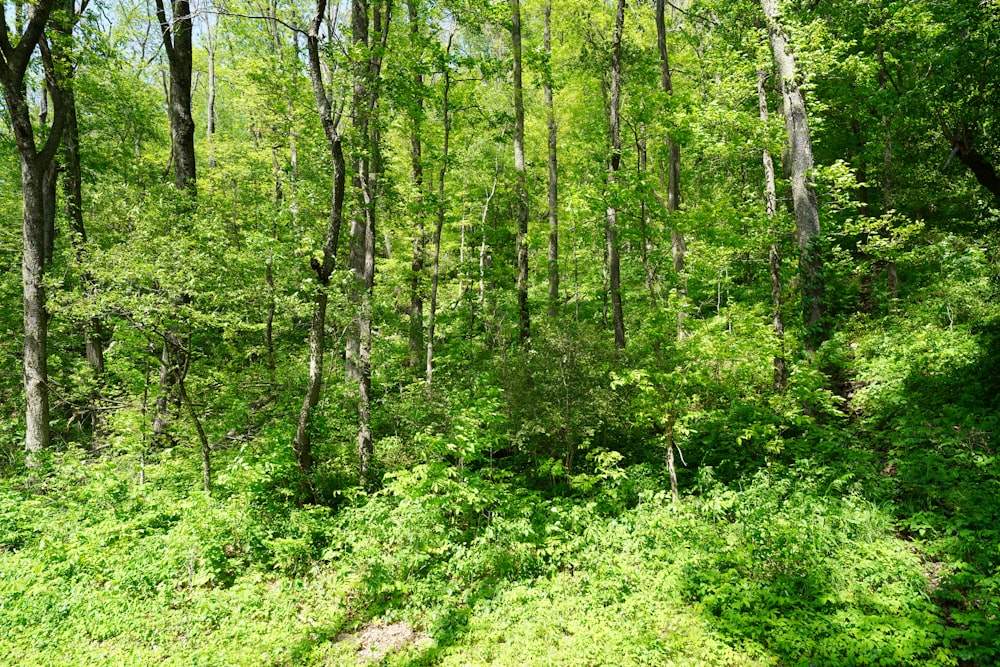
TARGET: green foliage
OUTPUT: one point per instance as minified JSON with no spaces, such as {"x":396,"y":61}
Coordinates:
{"x":520,"y":514}
{"x":814,"y":579}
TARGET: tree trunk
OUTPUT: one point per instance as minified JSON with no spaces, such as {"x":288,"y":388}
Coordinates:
{"x":416,"y":334}
{"x":770,"y":192}
{"x":675,"y":494}
{"x":666,"y":82}
{"x":364,"y":105}
{"x":50,"y":200}
{"x":210,"y":36}
{"x":170,"y":370}
{"x":485,"y":259}
{"x":892,"y":275}
{"x":176,"y":33}
{"x":803,"y":194}
{"x":36,"y":390}
{"x":678,"y":245}
{"x":862,"y":173}
{"x":330,"y":120}
{"x":206,"y":448}
{"x":440,"y":220}
{"x":981,"y":168}
{"x":611,"y":226}
{"x":780,"y":367}
{"x":522,"y":177}
{"x":780,"y":379}
{"x":14,"y":62}
{"x":553,"y":171}
{"x":644,"y":240}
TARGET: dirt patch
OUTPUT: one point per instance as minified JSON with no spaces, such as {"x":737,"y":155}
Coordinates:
{"x":375,"y":641}
{"x":934,"y":572}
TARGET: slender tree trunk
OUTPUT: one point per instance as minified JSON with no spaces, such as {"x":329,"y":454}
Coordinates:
{"x":780,"y":367}
{"x":484,"y":256}
{"x":611,"y":227}
{"x":677,"y":242}
{"x":364,"y":105}
{"x":666,"y":82}
{"x":210,"y":35}
{"x":50,"y":199}
{"x":441,"y":205}
{"x":644,"y":222}
{"x":675,"y":494}
{"x":892,"y":275}
{"x":862,"y":167}
{"x":771,"y":206}
{"x":891,"y":270}
{"x":330,"y":120}
{"x":416,"y":158}
{"x":206,"y":448}
{"x":73,"y":184}
{"x":803,"y":194}
{"x":553,"y":171}
{"x":522,"y":178}
{"x":770,"y":192}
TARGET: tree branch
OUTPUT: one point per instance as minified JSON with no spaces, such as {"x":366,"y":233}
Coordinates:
{"x":161,"y":16}
{"x":48,"y":152}
{"x":20,"y":55}
{"x":219,"y":12}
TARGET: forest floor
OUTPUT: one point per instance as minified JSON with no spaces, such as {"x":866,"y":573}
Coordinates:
{"x":863,"y":533}
{"x":96,"y":569}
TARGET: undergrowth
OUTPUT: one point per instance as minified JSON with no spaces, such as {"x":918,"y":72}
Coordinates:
{"x":96,"y":569}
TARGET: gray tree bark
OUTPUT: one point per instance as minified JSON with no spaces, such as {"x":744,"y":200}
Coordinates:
{"x":614,"y":165}
{"x":678,"y":245}
{"x":432,"y":320}
{"x":330,"y":120}
{"x":366,"y":76}
{"x":553,"y":170}
{"x":524,"y":318}
{"x":416,"y":333}
{"x":211,"y":43}
{"x":14,"y":60}
{"x":803,"y":193}
{"x":177,"y":31}
{"x":780,"y":379}
{"x":770,"y":191}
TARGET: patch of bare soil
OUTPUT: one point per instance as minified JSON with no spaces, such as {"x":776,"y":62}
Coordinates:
{"x":375,"y":641}
{"x":934,"y":572}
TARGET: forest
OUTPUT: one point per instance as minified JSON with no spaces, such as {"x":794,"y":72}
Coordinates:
{"x":507,"y":332}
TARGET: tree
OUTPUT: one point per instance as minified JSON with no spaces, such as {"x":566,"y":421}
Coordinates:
{"x":774,"y":256}
{"x":177,"y":32}
{"x":614,"y":165}
{"x":803,"y":193}
{"x":14,"y":60}
{"x":368,"y":164}
{"x":416,"y":333}
{"x":520,"y":166}
{"x":553,"y":163}
{"x":441,"y":206}
{"x":678,"y":245}
{"x":330,"y":118}
{"x":93,"y":330}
